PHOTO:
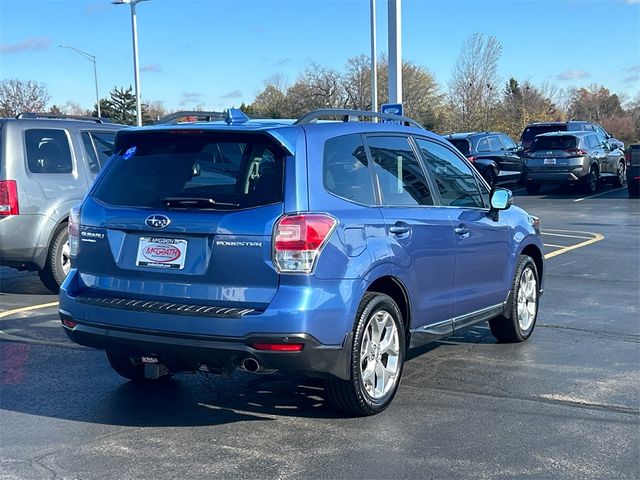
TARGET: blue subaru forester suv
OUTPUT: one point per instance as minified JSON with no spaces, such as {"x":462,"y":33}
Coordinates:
{"x":322,"y":247}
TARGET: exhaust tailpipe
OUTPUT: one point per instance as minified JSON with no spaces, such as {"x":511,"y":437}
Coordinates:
{"x":250,"y":364}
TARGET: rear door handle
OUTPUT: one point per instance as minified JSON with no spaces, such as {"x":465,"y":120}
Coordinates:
{"x":462,"y":231}
{"x":400,"y":228}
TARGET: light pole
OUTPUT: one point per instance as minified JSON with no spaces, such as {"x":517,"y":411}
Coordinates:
{"x":374,"y":60}
{"x":92,"y":59}
{"x":134,"y":31}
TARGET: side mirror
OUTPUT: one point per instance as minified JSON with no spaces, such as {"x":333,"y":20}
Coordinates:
{"x":501,"y":199}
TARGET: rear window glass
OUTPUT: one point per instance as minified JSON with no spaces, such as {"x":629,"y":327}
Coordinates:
{"x":345,"y":171}
{"x":530,"y":132}
{"x":48,"y":151}
{"x":192,"y":169}
{"x":554,"y":143}
{"x":461,"y":144}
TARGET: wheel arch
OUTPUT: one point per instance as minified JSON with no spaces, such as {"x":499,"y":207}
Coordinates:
{"x":392,"y":286}
{"x":535,"y":253}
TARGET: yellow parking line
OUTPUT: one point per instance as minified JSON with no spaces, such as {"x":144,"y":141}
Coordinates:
{"x":27,"y":309}
{"x":568,"y":236}
{"x":596,"y":238}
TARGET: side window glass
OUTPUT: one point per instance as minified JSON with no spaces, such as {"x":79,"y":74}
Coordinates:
{"x":483,"y":145}
{"x":455,"y":179}
{"x":345,"y":170}
{"x":399,"y":174}
{"x":103,"y":142}
{"x":92,"y":157}
{"x":508,"y":143}
{"x":495,"y":144}
{"x":48,"y":151}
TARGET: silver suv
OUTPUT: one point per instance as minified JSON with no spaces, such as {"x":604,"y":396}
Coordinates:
{"x":572,"y":158}
{"x":47,"y":164}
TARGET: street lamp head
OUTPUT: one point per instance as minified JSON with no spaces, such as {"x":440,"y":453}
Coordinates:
{"x":127,"y":2}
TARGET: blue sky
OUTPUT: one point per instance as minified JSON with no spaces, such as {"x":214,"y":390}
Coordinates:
{"x":217,"y":53}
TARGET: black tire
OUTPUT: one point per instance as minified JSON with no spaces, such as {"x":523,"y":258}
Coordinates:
{"x":621,"y":174}
{"x":351,"y":395}
{"x":508,"y":329}
{"x":532,"y":188}
{"x":591,"y":181}
{"x":490,"y":176}
{"x":53,"y":273}
{"x":126,"y":366}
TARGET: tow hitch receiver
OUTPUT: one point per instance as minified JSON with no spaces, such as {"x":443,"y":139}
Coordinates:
{"x":153,"y":369}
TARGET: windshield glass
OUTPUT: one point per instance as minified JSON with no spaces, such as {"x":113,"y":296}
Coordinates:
{"x":220,"y":170}
{"x":554,"y":143}
{"x":461,"y":144}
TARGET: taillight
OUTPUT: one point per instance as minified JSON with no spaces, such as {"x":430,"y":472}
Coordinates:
{"x":278,"y":347}
{"x":74,"y":231}
{"x":627,"y":157}
{"x":298,"y":241}
{"x":471,"y":159}
{"x":9,"y":198}
{"x":575,"y":151}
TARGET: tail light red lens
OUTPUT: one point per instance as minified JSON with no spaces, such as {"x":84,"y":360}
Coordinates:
{"x":9,"y":198}
{"x":627,"y":157}
{"x":298,"y":241}
{"x":278,"y":347}
{"x":575,"y":151}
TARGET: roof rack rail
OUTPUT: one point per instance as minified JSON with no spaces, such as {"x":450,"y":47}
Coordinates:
{"x":26,"y":115}
{"x":348,"y":116}
{"x":173,"y":118}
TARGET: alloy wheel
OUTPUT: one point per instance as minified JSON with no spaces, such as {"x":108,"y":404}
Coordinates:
{"x":527,"y":299}
{"x":380,"y":355}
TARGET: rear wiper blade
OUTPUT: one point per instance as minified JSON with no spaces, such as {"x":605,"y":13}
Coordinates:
{"x":195,"y":202}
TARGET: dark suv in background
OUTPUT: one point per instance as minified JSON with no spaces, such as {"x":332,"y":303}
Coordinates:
{"x":47,"y":164}
{"x":494,"y":154}
{"x":534,"y":129}
{"x":633,"y":169}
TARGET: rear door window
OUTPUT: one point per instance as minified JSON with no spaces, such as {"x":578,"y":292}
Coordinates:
{"x":345,"y":171}
{"x":48,"y":151}
{"x":483,"y":145}
{"x":455,"y":180}
{"x":400,"y":177}
{"x":193,"y":169}
{"x":494,"y":143}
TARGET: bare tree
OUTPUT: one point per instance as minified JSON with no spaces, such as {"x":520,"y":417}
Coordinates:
{"x":472,"y":88}
{"x":356,"y":83}
{"x":22,"y":96}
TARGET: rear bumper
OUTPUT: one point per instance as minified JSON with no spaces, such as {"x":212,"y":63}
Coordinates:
{"x":24,"y":240}
{"x":188,"y":352}
{"x":553,"y":177}
{"x":319,"y":314}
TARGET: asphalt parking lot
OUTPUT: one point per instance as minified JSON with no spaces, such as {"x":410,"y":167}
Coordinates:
{"x":565,"y":404}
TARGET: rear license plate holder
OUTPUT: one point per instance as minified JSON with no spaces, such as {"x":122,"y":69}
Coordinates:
{"x":159,"y":252}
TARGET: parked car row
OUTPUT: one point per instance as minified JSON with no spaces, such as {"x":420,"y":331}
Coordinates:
{"x":573,"y":152}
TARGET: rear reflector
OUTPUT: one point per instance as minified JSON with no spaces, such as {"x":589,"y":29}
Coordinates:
{"x":278,"y":347}
{"x":9,"y":198}
{"x":298,"y":241}
{"x":69,"y":323}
